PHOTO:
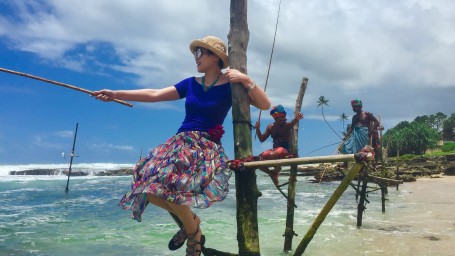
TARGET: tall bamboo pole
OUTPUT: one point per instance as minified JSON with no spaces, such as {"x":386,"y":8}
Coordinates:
{"x":247,"y":192}
{"x":327,"y":207}
{"x":289,"y":231}
{"x":297,"y":109}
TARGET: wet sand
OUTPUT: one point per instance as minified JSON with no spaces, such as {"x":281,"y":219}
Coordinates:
{"x":426,"y":222}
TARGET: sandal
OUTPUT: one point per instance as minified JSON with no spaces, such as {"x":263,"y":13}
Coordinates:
{"x":178,"y":240}
{"x":192,"y":243}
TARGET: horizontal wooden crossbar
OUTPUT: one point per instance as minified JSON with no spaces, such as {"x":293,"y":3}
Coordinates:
{"x":304,"y":160}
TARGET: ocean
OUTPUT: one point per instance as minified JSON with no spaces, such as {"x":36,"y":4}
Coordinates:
{"x":37,"y":217}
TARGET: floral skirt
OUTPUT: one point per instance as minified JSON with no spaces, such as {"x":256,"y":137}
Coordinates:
{"x":188,"y":169}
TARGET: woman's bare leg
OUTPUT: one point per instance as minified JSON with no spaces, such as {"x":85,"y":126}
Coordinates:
{"x":167,"y":206}
{"x":190,"y":224}
{"x":159,"y":202}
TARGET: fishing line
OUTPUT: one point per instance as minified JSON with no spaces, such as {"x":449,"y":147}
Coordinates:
{"x":271,"y":56}
{"x":322,"y":148}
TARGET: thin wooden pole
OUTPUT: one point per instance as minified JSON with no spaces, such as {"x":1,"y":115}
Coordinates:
{"x":381,"y":148}
{"x":327,"y":207}
{"x":72,"y":87}
{"x":71,"y":161}
{"x":289,"y":231}
{"x":383,"y":194}
{"x":362,"y":196}
{"x":297,"y":109}
{"x":398,"y":166}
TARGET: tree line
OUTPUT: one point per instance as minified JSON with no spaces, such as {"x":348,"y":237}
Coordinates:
{"x":423,"y":133}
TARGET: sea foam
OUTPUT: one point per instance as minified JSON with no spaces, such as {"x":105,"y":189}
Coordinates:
{"x":6,"y":169}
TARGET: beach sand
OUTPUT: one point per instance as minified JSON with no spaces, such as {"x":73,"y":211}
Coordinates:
{"x":427,"y":226}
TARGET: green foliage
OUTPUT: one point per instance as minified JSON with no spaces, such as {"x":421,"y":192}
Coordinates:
{"x":410,"y":138}
{"x":448,"y":128}
{"x":325,"y":102}
{"x":408,"y":157}
{"x":431,"y":154}
{"x":434,"y":121}
{"x":343,"y":118}
{"x":448,"y":146}
{"x":418,"y":136}
{"x":439,"y":153}
{"x":402,"y":125}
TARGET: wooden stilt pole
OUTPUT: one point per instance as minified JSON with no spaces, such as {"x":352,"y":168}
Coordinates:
{"x":383,"y":193}
{"x":327,"y":207}
{"x":289,"y":231}
{"x":72,"y":157}
{"x":363,"y":193}
{"x":398,"y":166}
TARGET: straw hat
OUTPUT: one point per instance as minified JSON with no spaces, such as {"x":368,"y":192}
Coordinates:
{"x":213,"y":44}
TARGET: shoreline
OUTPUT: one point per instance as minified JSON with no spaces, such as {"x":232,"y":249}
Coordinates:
{"x":428,"y":218}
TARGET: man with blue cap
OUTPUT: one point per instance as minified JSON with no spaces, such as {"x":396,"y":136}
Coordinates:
{"x":280,"y":131}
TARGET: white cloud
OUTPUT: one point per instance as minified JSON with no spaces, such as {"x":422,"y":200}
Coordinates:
{"x":44,"y":142}
{"x":381,"y":52}
{"x":108,"y":146}
{"x":64,"y":134}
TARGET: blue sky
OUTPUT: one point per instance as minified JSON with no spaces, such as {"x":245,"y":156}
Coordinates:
{"x":396,"y":56}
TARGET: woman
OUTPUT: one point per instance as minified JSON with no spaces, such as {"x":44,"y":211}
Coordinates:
{"x":189,"y":169}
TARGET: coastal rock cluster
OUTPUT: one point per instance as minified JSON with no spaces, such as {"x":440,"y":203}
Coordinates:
{"x":406,"y":170}
{"x":75,"y":172}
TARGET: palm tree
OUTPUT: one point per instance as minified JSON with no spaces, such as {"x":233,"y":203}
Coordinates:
{"x":321,"y":102}
{"x":343,"y":117}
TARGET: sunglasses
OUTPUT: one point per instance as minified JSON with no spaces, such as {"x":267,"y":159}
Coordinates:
{"x":199,"y":51}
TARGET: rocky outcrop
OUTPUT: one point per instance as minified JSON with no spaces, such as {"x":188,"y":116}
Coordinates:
{"x":408,"y":170}
{"x":75,"y":172}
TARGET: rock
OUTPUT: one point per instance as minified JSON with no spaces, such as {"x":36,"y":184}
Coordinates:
{"x":450,"y":169}
{"x":408,"y":170}
{"x":450,"y":158}
{"x":75,"y":172}
{"x":36,"y":172}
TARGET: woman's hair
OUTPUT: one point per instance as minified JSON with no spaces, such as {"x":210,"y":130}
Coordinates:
{"x":220,"y":63}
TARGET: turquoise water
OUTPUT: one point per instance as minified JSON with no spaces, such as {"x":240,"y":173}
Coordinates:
{"x":37,"y":217}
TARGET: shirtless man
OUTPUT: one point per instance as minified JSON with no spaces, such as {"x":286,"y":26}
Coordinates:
{"x":280,"y":131}
{"x":363,"y":127}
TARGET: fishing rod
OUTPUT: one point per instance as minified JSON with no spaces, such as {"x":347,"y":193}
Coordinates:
{"x":60,"y":84}
{"x":270,"y":60}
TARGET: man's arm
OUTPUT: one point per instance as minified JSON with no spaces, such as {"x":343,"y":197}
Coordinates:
{"x":262,"y":136}
{"x":297,"y":118}
{"x":371,"y":117}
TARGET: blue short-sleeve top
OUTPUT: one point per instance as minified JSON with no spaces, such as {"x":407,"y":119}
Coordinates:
{"x":203,"y":110}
